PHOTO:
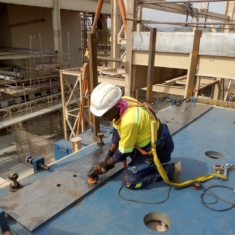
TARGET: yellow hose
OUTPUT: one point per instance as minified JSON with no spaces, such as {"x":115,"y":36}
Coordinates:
{"x":154,"y":128}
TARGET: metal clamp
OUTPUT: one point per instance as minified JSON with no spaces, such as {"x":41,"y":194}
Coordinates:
{"x":38,"y":163}
{"x":15,"y":185}
{"x":223,"y":169}
{"x":100,"y":141}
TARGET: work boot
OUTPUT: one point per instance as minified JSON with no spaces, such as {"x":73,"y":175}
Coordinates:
{"x":177,"y":172}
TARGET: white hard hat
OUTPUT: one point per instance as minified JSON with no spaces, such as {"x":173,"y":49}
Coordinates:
{"x":104,"y":97}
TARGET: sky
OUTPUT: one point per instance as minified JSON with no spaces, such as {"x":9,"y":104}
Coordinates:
{"x":149,"y":14}
{"x":218,"y":7}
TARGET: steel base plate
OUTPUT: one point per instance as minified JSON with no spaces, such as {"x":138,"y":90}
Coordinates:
{"x":36,"y":203}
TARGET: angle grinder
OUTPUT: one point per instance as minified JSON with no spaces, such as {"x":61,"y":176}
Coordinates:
{"x":93,"y":175}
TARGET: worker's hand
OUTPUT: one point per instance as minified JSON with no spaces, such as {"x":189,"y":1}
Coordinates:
{"x":103,"y":167}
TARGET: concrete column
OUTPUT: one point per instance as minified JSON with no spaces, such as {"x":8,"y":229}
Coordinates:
{"x":139,"y":17}
{"x":131,"y":27}
{"x":57,"y":27}
{"x":115,"y":27}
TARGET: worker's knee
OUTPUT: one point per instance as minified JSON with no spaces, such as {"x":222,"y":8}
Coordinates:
{"x":130,"y":181}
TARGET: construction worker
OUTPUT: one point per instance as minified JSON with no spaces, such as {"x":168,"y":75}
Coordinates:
{"x":132,"y":138}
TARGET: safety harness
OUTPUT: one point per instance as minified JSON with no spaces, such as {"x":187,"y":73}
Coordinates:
{"x":155,"y":125}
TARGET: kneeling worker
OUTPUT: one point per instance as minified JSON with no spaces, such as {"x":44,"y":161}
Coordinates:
{"x":132,"y":138}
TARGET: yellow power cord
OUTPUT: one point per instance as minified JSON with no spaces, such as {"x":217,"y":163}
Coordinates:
{"x":154,"y":128}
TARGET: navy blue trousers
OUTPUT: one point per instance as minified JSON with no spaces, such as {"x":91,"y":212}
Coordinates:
{"x":150,"y":174}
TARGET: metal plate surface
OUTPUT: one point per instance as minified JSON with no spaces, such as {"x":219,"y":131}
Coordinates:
{"x":35,"y":204}
{"x":183,"y":115}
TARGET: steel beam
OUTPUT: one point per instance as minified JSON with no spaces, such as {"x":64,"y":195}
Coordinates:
{"x":167,"y":60}
{"x":92,"y":45}
{"x":169,"y":89}
{"x":176,"y":23}
{"x":74,"y":5}
{"x":185,"y":1}
{"x":129,"y":91}
{"x":220,"y":103}
{"x":216,"y":66}
{"x":177,"y":8}
{"x":150,"y":74}
{"x":62,"y":77}
{"x":115,"y":81}
{"x":193,"y":64}
{"x":110,"y":59}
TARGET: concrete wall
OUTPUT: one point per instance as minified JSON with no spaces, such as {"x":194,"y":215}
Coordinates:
{"x":70,"y":22}
{"x":5,"y":38}
{"x":19,"y":36}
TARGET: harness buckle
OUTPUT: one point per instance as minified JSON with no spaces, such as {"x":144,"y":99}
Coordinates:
{"x":134,"y":169}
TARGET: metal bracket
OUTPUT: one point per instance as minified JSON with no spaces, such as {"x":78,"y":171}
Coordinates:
{"x":193,"y":100}
{"x":38,"y":164}
{"x":3,"y":221}
{"x":176,"y":101}
{"x":173,"y":101}
{"x":63,"y":149}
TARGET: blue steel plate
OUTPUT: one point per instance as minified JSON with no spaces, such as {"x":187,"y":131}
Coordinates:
{"x":183,"y":115}
{"x":36,"y":203}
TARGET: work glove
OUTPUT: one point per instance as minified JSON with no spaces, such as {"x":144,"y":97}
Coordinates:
{"x":103,"y":167}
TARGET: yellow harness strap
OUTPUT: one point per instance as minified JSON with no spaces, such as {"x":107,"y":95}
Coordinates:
{"x":162,"y":172}
{"x":154,"y":128}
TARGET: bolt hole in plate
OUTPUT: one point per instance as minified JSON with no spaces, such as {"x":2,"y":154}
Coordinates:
{"x":58,"y":185}
{"x":75,"y":175}
{"x":157,"y":222}
{"x":214,"y":154}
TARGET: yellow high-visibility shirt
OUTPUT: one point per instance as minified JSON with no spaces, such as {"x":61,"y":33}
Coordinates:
{"x":134,"y":128}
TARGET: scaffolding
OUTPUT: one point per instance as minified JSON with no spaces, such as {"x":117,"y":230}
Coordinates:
{"x":103,"y":34}
{"x":36,"y":138}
